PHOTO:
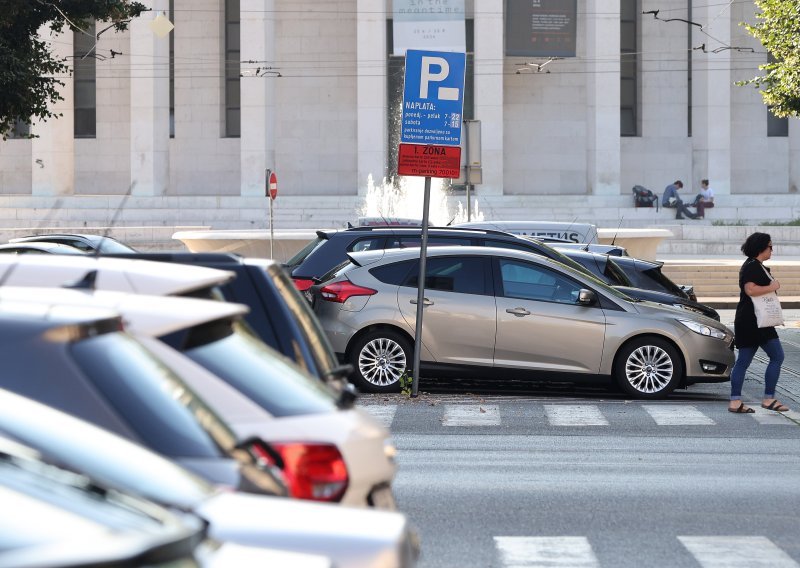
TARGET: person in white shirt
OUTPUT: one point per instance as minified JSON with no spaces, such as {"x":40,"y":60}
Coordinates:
{"x":704,"y":199}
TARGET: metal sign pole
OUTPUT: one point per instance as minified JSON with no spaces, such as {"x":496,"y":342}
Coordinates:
{"x":421,"y":287}
{"x":466,"y":171}
{"x":267,"y":175}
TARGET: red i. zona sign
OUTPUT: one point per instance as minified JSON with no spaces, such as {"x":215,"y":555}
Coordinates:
{"x":429,"y":161}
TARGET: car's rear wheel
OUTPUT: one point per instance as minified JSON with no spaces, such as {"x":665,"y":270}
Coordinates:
{"x":380,"y":358}
{"x":648,"y":368}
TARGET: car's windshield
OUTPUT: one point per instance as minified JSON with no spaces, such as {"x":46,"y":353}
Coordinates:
{"x":649,"y":276}
{"x":231,"y":352}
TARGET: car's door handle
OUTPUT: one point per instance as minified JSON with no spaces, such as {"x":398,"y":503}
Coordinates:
{"x":518,"y":311}
{"x":425,"y":302}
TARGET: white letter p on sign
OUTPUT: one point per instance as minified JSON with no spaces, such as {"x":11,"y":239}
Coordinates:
{"x":443,"y":93}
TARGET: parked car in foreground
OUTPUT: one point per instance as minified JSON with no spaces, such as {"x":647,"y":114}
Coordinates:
{"x":77,"y":359}
{"x":351,"y":537}
{"x":543,"y":320}
{"x":82,"y":241}
{"x":331,"y":451}
{"x":278,"y":314}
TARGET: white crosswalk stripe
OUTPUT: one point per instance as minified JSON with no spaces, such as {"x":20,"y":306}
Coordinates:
{"x":541,"y":551}
{"x":763,"y":416}
{"x":574,"y":415}
{"x":382,"y":413}
{"x":730,"y":551}
{"x":471,"y":415}
{"x":677,"y":415}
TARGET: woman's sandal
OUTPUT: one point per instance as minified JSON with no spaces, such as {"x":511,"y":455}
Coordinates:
{"x":742,"y":409}
{"x":776,"y":405}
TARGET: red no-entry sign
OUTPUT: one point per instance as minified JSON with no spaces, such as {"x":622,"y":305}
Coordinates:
{"x":273,"y":185}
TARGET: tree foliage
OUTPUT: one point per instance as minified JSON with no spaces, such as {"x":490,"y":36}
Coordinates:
{"x":778,"y":30}
{"x":29,"y":71}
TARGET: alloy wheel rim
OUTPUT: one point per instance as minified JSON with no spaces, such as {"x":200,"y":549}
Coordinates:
{"x":382,"y":362}
{"x":649,"y":369}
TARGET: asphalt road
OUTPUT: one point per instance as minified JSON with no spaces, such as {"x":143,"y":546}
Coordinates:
{"x":559,"y":476}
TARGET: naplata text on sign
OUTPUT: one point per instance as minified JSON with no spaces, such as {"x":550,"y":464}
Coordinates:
{"x":429,"y":160}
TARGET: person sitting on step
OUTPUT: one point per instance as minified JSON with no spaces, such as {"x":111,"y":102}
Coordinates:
{"x":671,"y":199}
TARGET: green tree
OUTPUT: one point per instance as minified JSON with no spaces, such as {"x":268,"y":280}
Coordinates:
{"x":28,"y":70}
{"x":778,"y":30}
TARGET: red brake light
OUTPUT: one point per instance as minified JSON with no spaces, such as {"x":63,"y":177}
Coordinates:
{"x":341,"y":291}
{"x":313,"y":471}
{"x":303,"y":284}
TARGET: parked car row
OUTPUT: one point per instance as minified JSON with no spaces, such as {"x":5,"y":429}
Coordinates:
{"x":238,"y":455}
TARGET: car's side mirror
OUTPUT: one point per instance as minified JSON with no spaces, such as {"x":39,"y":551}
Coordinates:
{"x":586,"y":297}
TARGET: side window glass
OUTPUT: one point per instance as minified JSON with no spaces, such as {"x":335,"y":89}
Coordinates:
{"x":366,"y":244}
{"x":509,"y":245}
{"x":459,"y":274}
{"x":532,"y":282}
{"x":395,"y":273}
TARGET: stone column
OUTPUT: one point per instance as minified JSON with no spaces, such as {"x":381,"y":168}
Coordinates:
{"x":257,"y":43}
{"x":371,"y":94}
{"x":603,"y":98}
{"x":149,"y":104}
{"x":489,"y":57}
{"x":712,"y":85}
{"x":53,"y":152}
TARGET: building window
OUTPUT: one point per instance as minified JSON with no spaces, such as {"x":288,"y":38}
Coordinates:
{"x":629,"y":68}
{"x":20,"y":129}
{"x":776,"y":126}
{"x":172,"y":72}
{"x":233,"y":127}
{"x":84,"y":77}
{"x":396,"y":76}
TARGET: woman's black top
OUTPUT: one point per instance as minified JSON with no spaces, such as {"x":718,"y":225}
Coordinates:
{"x":748,"y":334}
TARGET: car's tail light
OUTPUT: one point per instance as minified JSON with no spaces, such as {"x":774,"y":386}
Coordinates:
{"x":303,"y":284}
{"x":341,"y":291}
{"x":313,"y":471}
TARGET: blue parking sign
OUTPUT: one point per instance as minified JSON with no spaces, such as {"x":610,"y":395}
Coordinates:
{"x":433,"y":97}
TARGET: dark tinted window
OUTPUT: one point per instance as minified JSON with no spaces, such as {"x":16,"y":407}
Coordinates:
{"x":533,"y":282}
{"x":154,"y":401}
{"x":369,"y":243}
{"x":461,"y":274}
{"x":252,"y":368}
{"x":395,"y":273}
{"x":413,"y":241}
{"x":590,"y":264}
{"x":338,"y":270}
{"x":305,"y":251}
{"x":654,"y":279}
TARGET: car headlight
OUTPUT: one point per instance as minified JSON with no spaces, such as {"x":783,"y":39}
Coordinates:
{"x":704,"y":329}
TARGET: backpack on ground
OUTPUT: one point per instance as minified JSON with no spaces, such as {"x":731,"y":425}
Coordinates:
{"x":643,"y":197}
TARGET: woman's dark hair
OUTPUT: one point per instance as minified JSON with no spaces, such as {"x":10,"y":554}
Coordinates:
{"x":755,"y":244}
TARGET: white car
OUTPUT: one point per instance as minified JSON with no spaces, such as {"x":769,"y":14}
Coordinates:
{"x":347,"y":455}
{"x":350,"y":537}
{"x":124,"y":275}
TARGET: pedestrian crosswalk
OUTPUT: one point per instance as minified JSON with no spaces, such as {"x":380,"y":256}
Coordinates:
{"x":585,"y":415}
{"x":577,"y":552}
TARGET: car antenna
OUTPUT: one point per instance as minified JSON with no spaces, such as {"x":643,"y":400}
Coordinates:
{"x":89,"y":280}
{"x":56,"y":206}
{"x":614,"y":240}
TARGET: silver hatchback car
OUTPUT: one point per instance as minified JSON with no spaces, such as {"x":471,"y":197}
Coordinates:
{"x":503,"y":313}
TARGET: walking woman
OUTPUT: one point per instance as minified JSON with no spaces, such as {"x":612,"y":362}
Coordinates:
{"x":754,"y":281}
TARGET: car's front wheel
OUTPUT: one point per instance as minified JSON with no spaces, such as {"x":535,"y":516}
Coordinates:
{"x":380,"y":358}
{"x":648,"y":368}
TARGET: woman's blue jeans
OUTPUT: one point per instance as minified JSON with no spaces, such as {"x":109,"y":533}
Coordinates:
{"x":774,"y":350}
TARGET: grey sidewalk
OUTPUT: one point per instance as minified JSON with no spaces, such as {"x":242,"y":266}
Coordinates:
{"x":789,"y":382}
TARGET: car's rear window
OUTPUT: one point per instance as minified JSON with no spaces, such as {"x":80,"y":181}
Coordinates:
{"x":298,"y":258}
{"x":395,"y":273}
{"x":242,"y":360}
{"x":157,"y":404}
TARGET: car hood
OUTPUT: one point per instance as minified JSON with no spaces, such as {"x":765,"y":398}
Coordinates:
{"x":656,"y":309}
{"x":666,"y":298}
{"x":351,"y":537}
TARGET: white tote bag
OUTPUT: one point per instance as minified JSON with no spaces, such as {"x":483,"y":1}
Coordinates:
{"x":768,"y":307}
